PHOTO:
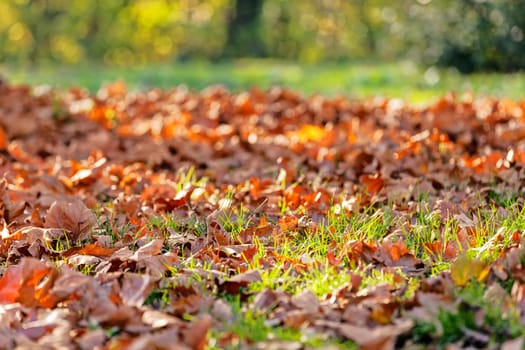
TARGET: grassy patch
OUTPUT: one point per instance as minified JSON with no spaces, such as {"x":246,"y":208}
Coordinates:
{"x":358,"y":79}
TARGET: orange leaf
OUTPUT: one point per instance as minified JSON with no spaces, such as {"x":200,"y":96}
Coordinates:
{"x":10,"y":284}
{"x":373,"y":183}
{"x":96,"y":249}
{"x":25,"y":283}
{"x":3,"y":139}
{"x":288,"y":223}
{"x":307,"y":133}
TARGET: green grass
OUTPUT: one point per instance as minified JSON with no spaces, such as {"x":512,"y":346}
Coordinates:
{"x":477,"y":308}
{"x":250,"y":326}
{"x":501,"y":322}
{"x":357,"y":79}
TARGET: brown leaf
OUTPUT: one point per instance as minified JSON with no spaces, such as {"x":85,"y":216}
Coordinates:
{"x":32,"y":234}
{"x":247,"y":277}
{"x":72,"y":216}
{"x":158,"y":319}
{"x":91,"y":339}
{"x":195,"y":334}
{"x":383,"y":337}
{"x":96,"y":249}
{"x":267,"y":299}
{"x":514,"y":344}
{"x":296,"y":318}
{"x":167,"y":339}
{"x":306,"y":300}
{"x":284,"y":345}
{"x":153,"y":247}
{"x":135,"y":289}
{"x":239,"y":282}
{"x":188,"y":304}
{"x":222,"y":310}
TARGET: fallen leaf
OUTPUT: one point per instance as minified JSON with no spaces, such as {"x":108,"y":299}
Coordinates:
{"x":306,"y":300}
{"x":135,"y":289}
{"x":372,"y":183}
{"x":165,"y":339}
{"x":464,"y":269}
{"x":514,"y":344}
{"x":195,"y":334}
{"x":152,"y":248}
{"x":222,"y":310}
{"x":158,"y":319}
{"x":73,"y":217}
{"x":3,"y":139}
{"x":28,"y":283}
{"x":240,"y":281}
{"x":382,"y":337}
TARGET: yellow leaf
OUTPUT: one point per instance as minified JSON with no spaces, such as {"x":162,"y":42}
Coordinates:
{"x":307,"y":133}
{"x":465,"y":268}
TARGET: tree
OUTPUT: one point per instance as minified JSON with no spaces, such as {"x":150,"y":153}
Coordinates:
{"x":244,"y":36}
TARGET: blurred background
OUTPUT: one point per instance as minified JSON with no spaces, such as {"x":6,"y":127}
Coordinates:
{"x":427,"y":43}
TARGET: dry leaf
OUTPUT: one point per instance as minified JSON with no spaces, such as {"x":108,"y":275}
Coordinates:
{"x":135,"y":289}
{"x":195,"y":334}
{"x":73,"y":217}
{"x":464,"y":269}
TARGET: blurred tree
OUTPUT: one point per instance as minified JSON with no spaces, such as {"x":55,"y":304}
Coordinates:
{"x":370,"y":30}
{"x":467,"y":34}
{"x":470,"y":35}
{"x":244,"y":35}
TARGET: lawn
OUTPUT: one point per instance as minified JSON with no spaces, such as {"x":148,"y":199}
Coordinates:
{"x":261,"y":219}
{"x":357,"y":79}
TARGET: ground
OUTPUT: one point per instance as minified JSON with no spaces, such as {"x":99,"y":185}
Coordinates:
{"x":259,"y":219}
{"x":359,"y":79}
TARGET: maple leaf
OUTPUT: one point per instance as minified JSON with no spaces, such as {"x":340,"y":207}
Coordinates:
{"x":73,"y":217}
{"x":28,"y":283}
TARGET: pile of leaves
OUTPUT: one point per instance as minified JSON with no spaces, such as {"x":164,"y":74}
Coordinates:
{"x":262,"y":219}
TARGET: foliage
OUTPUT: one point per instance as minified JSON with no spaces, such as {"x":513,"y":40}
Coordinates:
{"x":155,"y":218}
{"x":119,"y":32}
{"x":470,"y":35}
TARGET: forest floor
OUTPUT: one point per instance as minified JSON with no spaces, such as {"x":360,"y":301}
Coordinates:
{"x":259,"y":219}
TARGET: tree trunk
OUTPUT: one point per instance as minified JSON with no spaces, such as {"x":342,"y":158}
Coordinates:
{"x":370,"y":38}
{"x":244,"y":38}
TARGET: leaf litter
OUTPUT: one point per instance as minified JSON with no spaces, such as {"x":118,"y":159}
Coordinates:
{"x":139,"y":219}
